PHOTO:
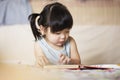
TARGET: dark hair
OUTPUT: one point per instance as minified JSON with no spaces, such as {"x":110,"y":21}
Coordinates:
{"x":55,"y":15}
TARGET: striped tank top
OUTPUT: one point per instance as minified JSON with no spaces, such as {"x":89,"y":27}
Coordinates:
{"x":52,"y":54}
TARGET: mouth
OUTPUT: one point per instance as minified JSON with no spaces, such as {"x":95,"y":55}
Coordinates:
{"x":61,"y":42}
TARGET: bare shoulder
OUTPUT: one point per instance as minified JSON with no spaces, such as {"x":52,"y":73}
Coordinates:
{"x":73,"y":43}
{"x":72,"y":40}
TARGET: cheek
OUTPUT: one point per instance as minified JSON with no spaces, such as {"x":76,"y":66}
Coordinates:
{"x":53,"y":38}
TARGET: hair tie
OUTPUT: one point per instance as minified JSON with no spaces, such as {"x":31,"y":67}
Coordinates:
{"x":36,"y":21}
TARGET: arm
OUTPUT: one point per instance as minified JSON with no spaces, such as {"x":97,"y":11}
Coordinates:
{"x":75,"y":57}
{"x":41,"y":59}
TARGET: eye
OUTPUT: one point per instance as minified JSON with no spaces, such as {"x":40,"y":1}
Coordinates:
{"x":67,"y":31}
{"x":57,"y":33}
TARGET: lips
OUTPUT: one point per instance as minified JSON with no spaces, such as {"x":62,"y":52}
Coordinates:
{"x":61,"y":42}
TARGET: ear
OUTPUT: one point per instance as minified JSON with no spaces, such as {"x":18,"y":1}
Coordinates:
{"x":42,"y":29}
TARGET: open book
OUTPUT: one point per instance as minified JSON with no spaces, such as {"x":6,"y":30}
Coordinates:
{"x":83,"y":67}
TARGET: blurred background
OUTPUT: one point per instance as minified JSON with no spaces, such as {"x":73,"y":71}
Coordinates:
{"x":96,"y":29}
{"x":84,"y":12}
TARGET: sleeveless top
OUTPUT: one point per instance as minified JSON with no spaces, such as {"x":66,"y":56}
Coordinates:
{"x":52,"y":54}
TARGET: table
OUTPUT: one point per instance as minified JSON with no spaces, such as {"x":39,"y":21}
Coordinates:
{"x":29,"y":72}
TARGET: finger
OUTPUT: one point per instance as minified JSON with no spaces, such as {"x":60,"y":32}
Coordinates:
{"x":62,"y":58}
{"x":64,"y":61}
{"x":39,"y":63}
{"x":68,"y":61}
{"x":41,"y":60}
{"x":61,"y":55}
{"x":45,"y":60}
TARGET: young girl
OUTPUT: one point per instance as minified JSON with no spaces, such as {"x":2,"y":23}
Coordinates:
{"x":51,"y":29}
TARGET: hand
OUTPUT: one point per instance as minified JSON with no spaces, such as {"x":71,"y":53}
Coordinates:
{"x":42,"y":61}
{"x":64,"y":59}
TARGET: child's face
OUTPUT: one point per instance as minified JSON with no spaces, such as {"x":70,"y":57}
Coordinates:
{"x":57,"y":38}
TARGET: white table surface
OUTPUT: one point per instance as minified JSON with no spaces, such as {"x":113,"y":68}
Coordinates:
{"x":28,"y":72}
